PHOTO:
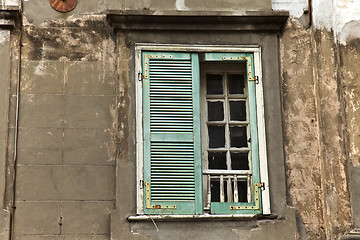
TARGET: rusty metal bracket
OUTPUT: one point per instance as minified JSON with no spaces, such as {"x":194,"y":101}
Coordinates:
{"x":155,"y":206}
{"x":146,"y":60}
{"x":248,"y":65}
{"x":256,"y":199}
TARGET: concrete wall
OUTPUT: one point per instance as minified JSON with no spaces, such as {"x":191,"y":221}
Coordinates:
{"x":65,"y":176}
{"x":76,"y":140}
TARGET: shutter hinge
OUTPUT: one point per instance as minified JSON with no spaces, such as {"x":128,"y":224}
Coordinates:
{"x":256,"y":79}
{"x":256,"y":205}
{"x":140,"y":76}
{"x":154,"y":206}
{"x":141,"y":184}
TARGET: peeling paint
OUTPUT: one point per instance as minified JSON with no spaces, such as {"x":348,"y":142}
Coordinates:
{"x":180,"y":5}
{"x":295,"y":7}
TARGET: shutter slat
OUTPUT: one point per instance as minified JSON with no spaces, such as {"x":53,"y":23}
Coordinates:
{"x":162,"y":118}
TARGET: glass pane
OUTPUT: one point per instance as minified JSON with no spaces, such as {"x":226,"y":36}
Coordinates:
{"x":215,"y":111}
{"x":214,"y":84}
{"x":238,"y":137}
{"x":217,"y":160}
{"x":215,"y":190}
{"x":238,"y":110}
{"x":239,"y":161}
{"x":216,"y":136}
{"x":236,"y":83}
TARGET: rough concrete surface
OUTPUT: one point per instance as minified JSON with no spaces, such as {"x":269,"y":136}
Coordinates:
{"x":76,"y":156}
{"x":65,"y":166}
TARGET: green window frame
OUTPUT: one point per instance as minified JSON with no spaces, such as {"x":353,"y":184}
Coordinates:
{"x":172,"y":152}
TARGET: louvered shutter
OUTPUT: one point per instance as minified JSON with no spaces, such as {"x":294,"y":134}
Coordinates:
{"x":171,"y":123}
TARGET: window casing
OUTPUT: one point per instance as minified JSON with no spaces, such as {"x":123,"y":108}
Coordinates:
{"x":173,"y":122}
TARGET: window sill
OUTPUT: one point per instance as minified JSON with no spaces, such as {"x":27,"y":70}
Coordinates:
{"x":194,"y":217}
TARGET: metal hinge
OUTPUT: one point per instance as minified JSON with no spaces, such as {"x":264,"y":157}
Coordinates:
{"x":155,"y":206}
{"x":140,"y":76}
{"x":141,"y":184}
{"x":256,"y":206}
{"x":256,"y":79}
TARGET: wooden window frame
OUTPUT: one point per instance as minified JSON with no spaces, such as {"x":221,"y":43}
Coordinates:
{"x":256,"y":52}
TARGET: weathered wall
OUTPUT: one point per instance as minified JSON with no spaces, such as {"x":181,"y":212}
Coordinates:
{"x":349,"y":55}
{"x":320,"y":106}
{"x":76,"y":153}
{"x":67,"y":141}
{"x":37,"y":12}
{"x":284,"y":224}
{"x":316,"y":158}
{"x":5,"y":52}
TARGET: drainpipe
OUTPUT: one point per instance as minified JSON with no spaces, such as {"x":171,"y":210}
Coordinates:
{"x":16,"y":129}
{"x":310,"y":13}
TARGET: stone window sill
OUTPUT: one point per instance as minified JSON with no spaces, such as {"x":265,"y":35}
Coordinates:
{"x":205,"y":217}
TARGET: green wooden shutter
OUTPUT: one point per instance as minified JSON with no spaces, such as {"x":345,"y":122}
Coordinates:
{"x":255,"y":207}
{"x":171,"y":123}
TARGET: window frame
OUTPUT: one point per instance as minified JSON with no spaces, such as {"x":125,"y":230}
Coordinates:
{"x":256,"y":51}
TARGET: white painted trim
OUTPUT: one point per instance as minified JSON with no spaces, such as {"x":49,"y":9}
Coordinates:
{"x":197,"y":48}
{"x":260,"y":117}
{"x":139,"y":134}
{"x":262,"y":134}
{"x":205,"y":216}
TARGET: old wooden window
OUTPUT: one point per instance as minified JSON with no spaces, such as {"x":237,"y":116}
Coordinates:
{"x":199,"y":146}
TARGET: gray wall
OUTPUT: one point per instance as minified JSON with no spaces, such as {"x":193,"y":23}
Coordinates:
{"x":126,"y":172}
{"x":76,"y":152}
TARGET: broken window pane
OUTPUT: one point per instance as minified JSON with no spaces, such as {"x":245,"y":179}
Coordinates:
{"x":216,"y":136}
{"x":237,"y":110}
{"x":236,"y":83}
{"x":215,"y":111}
{"x":214,"y":84}
{"x":217,"y":160}
{"x":238,"y":137}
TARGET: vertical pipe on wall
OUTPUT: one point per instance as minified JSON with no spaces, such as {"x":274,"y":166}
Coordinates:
{"x":16,"y":129}
{"x":310,"y":13}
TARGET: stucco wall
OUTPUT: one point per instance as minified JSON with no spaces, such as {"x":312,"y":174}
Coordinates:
{"x":65,"y":178}
{"x":76,"y":152}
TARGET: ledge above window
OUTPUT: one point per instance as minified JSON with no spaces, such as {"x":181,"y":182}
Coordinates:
{"x":265,"y":21}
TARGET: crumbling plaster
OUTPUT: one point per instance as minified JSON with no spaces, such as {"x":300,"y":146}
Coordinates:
{"x":320,"y":102}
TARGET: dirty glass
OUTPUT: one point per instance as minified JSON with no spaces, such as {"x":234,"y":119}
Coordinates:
{"x":214,"y":84}
{"x":237,"y":110}
{"x":236,"y":83}
{"x":238,"y":137}
{"x":239,"y":161}
{"x":215,"y":111}
{"x":217,"y":160}
{"x":216,"y":136}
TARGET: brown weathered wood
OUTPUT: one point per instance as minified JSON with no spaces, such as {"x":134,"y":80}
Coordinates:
{"x":63,"y":5}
